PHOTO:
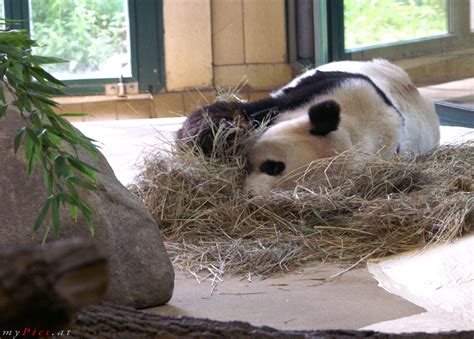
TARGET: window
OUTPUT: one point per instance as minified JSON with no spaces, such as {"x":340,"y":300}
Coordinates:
{"x":397,"y":29}
{"x":375,"y":22}
{"x":103,"y":41}
{"x":93,"y":36}
{"x":472,"y":14}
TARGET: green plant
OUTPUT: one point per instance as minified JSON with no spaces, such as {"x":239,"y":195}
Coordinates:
{"x":49,"y":140}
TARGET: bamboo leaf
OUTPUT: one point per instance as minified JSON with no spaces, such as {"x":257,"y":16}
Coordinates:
{"x":66,"y":197}
{"x":90,"y":226}
{"x":88,"y":216}
{"x":48,"y":181}
{"x":82,"y":183}
{"x":42,"y":160}
{"x":86,"y":211}
{"x":10,"y":51}
{"x":83,"y":167}
{"x":3,"y":109}
{"x":2,"y":94}
{"x":35,"y":119}
{"x":31,"y":163}
{"x":28,"y":144}
{"x":74,"y":212}
{"x":41,"y":74}
{"x":26,"y":76}
{"x":60,"y":166}
{"x":42,"y":60}
{"x":44,"y":89}
{"x":29,"y":152}
{"x":33,"y":137}
{"x":45,"y":236}
{"x":44,"y":212}
{"x":53,"y":138}
{"x":43,"y":99}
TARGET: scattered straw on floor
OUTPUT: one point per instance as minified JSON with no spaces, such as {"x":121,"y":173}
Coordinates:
{"x":212,"y":227}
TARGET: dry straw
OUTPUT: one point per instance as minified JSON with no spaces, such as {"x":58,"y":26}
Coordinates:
{"x":212,"y":227}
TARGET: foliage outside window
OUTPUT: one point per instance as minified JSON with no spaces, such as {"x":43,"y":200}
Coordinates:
{"x":373,"y":22}
{"x":91,"y":34}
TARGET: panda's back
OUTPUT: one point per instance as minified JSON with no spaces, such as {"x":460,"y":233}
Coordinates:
{"x":390,"y":80}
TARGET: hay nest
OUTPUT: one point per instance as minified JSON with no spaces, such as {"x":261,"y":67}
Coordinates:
{"x":211,"y":226}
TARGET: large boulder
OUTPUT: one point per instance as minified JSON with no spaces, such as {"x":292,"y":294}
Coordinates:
{"x":141,"y":274}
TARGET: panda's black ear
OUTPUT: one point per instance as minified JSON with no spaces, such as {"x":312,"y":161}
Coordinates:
{"x":324,"y":117}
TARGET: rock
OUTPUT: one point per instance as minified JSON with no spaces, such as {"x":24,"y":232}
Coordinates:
{"x":141,"y":274}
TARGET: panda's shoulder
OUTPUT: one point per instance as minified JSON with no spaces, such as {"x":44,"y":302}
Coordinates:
{"x":322,"y":82}
{"x":330,"y":76}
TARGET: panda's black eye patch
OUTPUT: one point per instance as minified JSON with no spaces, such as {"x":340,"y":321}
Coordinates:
{"x":272,"y":167}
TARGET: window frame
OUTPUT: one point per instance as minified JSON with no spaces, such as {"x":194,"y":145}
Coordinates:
{"x":146,"y":47}
{"x":320,"y":34}
{"x":451,"y":114}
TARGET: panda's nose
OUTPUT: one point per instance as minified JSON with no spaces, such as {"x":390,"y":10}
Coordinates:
{"x":272,"y":167}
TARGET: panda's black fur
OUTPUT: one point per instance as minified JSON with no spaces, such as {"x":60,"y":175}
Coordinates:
{"x":293,"y":97}
{"x":272,"y":167}
{"x":325,"y":117}
{"x":323,"y":82}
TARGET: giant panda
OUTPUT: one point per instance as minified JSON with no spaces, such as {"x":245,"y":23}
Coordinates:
{"x":370,"y":106}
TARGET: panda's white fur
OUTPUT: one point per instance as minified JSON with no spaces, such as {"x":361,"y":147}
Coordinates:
{"x":388,"y":118}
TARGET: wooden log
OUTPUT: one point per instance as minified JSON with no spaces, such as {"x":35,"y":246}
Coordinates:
{"x":112,"y":321}
{"x":45,"y":286}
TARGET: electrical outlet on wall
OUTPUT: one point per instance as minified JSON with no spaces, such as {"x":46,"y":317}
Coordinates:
{"x":115,"y":89}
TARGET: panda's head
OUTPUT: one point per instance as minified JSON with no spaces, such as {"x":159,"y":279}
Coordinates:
{"x":289,"y":146}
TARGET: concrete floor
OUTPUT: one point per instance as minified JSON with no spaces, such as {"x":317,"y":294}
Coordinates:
{"x":439,"y":278}
{"x":300,"y":301}
{"x":305,"y":300}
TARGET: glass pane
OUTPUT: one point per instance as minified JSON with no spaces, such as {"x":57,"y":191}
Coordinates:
{"x":92,"y":35}
{"x":305,"y":29}
{"x":2,"y":13}
{"x":374,"y":22}
{"x":471,"y":6}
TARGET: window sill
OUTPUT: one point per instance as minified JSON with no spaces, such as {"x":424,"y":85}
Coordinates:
{"x":67,"y":100}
